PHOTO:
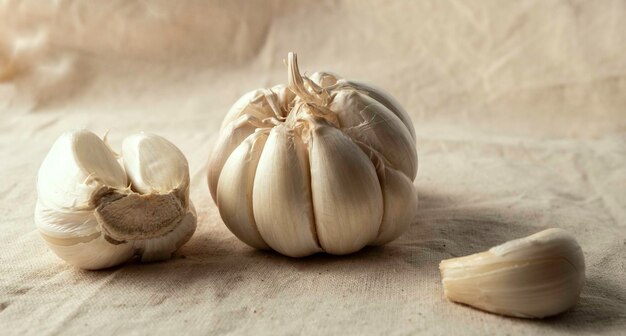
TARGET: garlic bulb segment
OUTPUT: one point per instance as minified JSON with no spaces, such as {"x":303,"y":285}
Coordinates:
{"x":95,"y":213}
{"x":282,"y":195}
{"x":398,"y":213}
{"x":148,"y":163}
{"x":327,"y":79}
{"x":234,"y":190}
{"x":533,"y":277}
{"x":367,"y":120}
{"x":78,"y":163}
{"x":241,"y":105}
{"x":347,"y":198}
{"x":316,"y":165}
{"x":230,"y":137}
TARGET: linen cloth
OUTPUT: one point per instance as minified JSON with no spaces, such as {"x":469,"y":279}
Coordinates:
{"x":519,"y":109}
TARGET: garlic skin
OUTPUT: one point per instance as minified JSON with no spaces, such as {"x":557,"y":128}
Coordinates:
{"x":532,"y":277}
{"x":94,"y":212}
{"x":322,"y":164}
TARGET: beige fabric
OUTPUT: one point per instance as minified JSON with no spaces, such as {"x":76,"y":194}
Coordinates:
{"x":520,"y":113}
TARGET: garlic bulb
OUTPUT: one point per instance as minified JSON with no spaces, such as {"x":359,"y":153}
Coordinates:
{"x":322,"y":164}
{"x":532,"y":277}
{"x":95,"y":213}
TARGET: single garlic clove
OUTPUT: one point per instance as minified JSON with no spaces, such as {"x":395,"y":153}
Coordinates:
{"x":242,"y":107}
{"x":533,"y":277}
{"x":154,"y":165}
{"x":76,"y":167}
{"x":399,"y":198}
{"x":347,"y":199}
{"x":233,"y":134}
{"x":366,"y":120}
{"x":78,"y":164}
{"x":234,"y":190}
{"x":281,"y":197}
{"x":329,"y":80}
{"x":400,"y":205}
{"x":388,"y":101}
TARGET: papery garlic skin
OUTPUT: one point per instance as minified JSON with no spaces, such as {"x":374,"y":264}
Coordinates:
{"x":532,"y":277}
{"x":95,"y":213}
{"x":319,"y":165}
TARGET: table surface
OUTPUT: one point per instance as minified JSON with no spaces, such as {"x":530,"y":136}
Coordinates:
{"x":520,"y":115}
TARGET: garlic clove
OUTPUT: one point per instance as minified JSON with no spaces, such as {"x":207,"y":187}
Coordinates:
{"x":241,"y":107}
{"x":154,"y":165}
{"x":234,"y":190}
{"x":332,"y":81}
{"x":77,"y":165}
{"x":95,"y":157}
{"x":399,"y":199}
{"x":366,"y":120}
{"x":282,"y":195}
{"x":388,"y":101}
{"x":533,"y":277}
{"x":400,"y":205}
{"x":347,"y":198}
{"x":232,"y":135}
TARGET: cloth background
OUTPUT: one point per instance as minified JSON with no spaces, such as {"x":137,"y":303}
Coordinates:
{"x":520,"y":114}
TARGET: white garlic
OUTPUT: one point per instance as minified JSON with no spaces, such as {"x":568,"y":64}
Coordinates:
{"x":95,"y":213}
{"x":532,"y":277}
{"x":320,"y":165}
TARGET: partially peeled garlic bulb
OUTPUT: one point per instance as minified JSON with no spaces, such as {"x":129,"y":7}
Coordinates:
{"x":322,"y":164}
{"x":532,"y":277}
{"x":94,"y":212}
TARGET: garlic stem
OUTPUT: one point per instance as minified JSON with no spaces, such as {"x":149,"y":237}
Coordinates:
{"x":296,"y":83}
{"x":318,"y":96}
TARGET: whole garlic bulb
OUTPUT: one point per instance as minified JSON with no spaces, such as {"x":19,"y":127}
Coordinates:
{"x":94,"y":212}
{"x":322,"y":164}
{"x":533,"y":277}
